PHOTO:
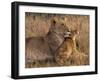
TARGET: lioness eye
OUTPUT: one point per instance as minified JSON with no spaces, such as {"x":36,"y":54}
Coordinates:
{"x":54,"y":21}
{"x":62,"y":24}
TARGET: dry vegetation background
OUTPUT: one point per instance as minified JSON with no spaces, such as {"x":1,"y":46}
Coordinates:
{"x":38,"y":25}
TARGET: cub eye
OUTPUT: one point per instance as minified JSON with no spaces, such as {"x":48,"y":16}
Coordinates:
{"x":77,"y":32}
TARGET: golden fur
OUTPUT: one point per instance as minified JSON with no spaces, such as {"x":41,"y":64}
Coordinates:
{"x":68,"y":51}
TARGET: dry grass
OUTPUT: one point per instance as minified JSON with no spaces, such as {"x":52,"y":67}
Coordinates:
{"x":38,"y":25}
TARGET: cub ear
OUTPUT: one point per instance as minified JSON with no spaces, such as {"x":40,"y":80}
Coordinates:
{"x":77,"y":31}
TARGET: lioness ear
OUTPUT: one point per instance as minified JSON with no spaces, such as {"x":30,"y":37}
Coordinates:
{"x":53,"y":21}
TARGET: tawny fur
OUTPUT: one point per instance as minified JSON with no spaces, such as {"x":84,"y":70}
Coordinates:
{"x":43,"y":48}
{"x":68,"y":51}
{"x":64,"y":51}
{"x":37,"y":49}
{"x":55,"y":37}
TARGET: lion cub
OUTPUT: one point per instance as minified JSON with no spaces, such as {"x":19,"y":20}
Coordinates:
{"x":66,"y":49}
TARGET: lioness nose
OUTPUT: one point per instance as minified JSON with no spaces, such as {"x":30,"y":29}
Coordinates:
{"x":67,"y":34}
